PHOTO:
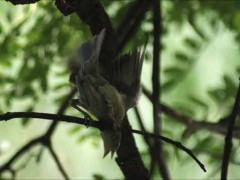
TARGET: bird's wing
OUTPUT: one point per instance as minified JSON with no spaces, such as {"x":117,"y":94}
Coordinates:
{"x":126,"y":74}
{"x":87,"y":56}
{"x":89,"y":51}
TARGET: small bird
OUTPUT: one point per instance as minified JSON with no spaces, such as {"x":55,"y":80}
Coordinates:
{"x":107,"y":93}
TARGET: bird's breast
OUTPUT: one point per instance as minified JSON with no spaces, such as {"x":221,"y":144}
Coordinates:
{"x":101,"y":98}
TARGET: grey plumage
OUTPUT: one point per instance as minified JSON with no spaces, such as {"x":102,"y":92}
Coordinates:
{"x":108,"y":97}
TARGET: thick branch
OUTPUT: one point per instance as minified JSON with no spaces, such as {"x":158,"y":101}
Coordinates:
{"x":63,"y":7}
{"x":131,"y":22}
{"x":127,"y":158}
{"x":92,"y":13}
{"x":229,"y":135}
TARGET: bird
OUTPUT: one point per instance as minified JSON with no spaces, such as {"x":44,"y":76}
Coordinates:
{"x":107,"y":93}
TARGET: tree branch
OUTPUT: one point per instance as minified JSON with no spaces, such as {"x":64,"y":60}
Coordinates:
{"x":127,"y":158}
{"x":16,"y":2}
{"x":158,"y":149}
{"x":51,"y":117}
{"x":229,"y":135}
{"x":24,"y":164}
{"x":131,"y":22}
{"x":96,"y":124}
{"x":56,"y":159}
{"x":21,"y":151}
{"x":140,"y":122}
{"x":175,"y":143}
{"x":61,"y":110}
{"x":39,"y":140}
{"x":147,"y":140}
{"x":190,"y":122}
{"x":63,"y":7}
{"x":93,"y":14}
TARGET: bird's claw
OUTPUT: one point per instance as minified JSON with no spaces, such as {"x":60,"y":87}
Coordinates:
{"x":88,"y":120}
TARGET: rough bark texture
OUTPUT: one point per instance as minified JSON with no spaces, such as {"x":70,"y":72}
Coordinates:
{"x":129,"y":159}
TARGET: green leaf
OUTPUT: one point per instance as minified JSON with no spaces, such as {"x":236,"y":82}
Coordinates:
{"x":192,"y":43}
{"x":98,"y":177}
{"x":74,"y":130}
{"x":59,"y":99}
{"x":198,"y":102}
{"x":231,"y":87}
{"x":206,"y":142}
{"x":217,"y":95}
{"x":238,"y":70}
{"x":61,"y":85}
{"x":82,"y":138}
{"x":173,"y":72}
{"x":180,"y":56}
{"x":43,"y":83}
{"x":168,"y":85}
{"x":9,"y":16}
{"x":26,"y":121}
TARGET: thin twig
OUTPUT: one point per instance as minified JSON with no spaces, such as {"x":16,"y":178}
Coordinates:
{"x":147,"y":140}
{"x":193,"y":123}
{"x":215,"y":155}
{"x":229,"y":135}
{"x":175,"y":143}
{"x":60,"y":111}
{"x":92,"y":123}
{"x":48,"y":116}
{"x":140,"y":122}
{"x":24,"y":164}
{"x":56,"y":159}
{"x":39,"y":140}
{"x":20,"y":152}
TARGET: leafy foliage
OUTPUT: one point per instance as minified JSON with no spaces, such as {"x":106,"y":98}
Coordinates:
{"x":37,"y":43}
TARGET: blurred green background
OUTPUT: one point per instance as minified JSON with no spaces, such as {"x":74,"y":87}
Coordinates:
{"x":199,"y":77}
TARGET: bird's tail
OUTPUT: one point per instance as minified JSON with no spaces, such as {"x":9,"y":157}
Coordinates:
{"x":111,"y":140}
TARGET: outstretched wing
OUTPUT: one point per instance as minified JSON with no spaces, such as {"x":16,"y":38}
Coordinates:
{"x":92,"y":46}
{"x":126,"y":74}
{"x":88,"y":56}
{"x":89,"y":52}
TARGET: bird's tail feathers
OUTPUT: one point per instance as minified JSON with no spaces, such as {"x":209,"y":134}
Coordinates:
{"x":111,"y":140}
